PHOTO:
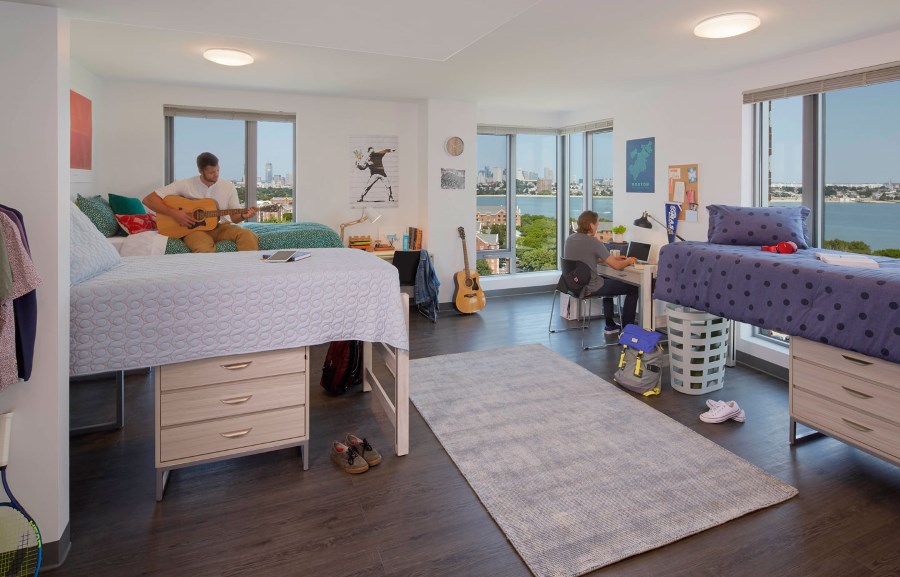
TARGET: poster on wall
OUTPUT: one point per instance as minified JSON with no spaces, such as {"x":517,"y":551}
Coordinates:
{"x":640,"y":159}
{"x":374,"y":171}
{"x":684,"y":189}
{"x":80,"y":132}
{"x":453,"y":179}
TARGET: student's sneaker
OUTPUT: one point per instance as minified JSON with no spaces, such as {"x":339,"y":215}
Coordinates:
{"x":612,"y":329}
{"x":721,"y":412}
{"x":348,"y":459}
{"x":740,"y":417}
{"x":364,"y":449}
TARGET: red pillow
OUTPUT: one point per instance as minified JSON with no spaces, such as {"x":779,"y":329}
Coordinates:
{"x":135,"y":223}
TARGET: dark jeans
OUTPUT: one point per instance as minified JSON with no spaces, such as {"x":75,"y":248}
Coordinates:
{"x":613,"y":287}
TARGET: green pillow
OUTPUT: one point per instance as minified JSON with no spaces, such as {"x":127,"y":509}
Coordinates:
{"x":99,"y":213}
{"x":126,"y":204}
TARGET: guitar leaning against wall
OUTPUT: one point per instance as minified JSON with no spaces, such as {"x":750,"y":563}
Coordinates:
{"x":204,"y":211}
{"x":468,"y":297}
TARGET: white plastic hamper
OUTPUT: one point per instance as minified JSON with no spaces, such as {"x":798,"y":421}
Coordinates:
{"x":698,"y":349}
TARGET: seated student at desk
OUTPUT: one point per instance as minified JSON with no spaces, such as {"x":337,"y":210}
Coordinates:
{"x":585,"y":247}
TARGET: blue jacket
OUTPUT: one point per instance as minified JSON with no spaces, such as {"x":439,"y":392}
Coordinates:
{"x":427,"y":285}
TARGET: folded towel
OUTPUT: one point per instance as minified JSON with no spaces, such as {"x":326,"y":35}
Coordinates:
{"x":856,"y":260}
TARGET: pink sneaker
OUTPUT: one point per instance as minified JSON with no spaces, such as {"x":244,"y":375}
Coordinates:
{"x":721,"y":412}
{"x":740,"y":417}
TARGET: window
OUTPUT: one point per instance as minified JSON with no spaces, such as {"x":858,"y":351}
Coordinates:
{"x":255,"y":151}
{"x":520,"y":173}
{"x":832,"y":145}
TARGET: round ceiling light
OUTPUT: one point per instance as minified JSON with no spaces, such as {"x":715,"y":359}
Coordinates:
{"x":228,"y":56}
{"x":726,"y":25}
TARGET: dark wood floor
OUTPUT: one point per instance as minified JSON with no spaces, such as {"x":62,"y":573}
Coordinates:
{"x":263,"y":515}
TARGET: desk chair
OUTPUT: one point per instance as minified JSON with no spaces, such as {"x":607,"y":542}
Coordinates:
{"x":578,"y":269}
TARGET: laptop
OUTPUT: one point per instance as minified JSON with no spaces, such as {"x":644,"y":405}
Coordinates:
{"x":286,"y":256}
{"x":640,"y":251}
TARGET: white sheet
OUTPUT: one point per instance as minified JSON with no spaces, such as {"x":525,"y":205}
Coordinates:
{"x":150,"y":311}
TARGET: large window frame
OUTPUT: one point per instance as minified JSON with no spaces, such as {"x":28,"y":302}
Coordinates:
{"x":563,"y":171}
{"x":250,"y":118}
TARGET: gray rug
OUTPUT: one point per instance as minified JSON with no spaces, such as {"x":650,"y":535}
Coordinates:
{"x":576,"y":472}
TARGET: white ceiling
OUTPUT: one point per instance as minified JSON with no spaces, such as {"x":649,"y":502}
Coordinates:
{"x":542,"y":55}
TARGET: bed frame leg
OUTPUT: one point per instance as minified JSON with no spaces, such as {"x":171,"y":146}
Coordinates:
{"x":367,"y":366}
{"x":116,"y":425}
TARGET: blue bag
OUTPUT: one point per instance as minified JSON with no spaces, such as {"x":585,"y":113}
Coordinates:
{"x":637,"y":338}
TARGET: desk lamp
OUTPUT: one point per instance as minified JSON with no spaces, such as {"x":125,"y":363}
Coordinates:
{"x":367,"y":214}
{"x":644,"y":222}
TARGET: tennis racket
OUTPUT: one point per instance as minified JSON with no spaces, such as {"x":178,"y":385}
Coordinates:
{"x":20,"y":540}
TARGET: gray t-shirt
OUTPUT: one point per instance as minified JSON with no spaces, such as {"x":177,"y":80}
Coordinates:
{"x":587,"y":249}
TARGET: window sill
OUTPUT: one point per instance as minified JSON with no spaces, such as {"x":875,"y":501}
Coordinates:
{"x":546,"y":278}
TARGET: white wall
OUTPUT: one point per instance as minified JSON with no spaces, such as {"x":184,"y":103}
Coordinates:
{"x":34,"y":162}
{"x":131,"y":145}
{"x":88,"y":85}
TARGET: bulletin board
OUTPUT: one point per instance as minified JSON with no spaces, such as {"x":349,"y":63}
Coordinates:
{"x":684,"y":189}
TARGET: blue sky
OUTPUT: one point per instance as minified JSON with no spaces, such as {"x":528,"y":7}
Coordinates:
{"x":225,"y":139}
{"x":535,"y":152}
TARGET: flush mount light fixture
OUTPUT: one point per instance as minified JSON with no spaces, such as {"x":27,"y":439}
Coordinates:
{"x":228,"y":56}
{"x":726,"y":25}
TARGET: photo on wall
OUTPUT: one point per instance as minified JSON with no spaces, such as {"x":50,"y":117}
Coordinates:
{"x":374,"y":171}
{"x":640,"y":165}
{"x":453,"y":179}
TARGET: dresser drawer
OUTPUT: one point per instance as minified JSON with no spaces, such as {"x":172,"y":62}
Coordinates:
{"x":218,"y":401}
{"x":199,"y":439}
{"x":830,"y":417}
{"x":864,"y":395}
{"x":854,"y":364}
{"x":232,"y":368}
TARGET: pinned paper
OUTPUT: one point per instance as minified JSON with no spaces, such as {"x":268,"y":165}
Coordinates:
{"x":678,"y":192}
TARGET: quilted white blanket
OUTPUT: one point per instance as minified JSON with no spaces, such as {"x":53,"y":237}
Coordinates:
{"x":150,"y":311}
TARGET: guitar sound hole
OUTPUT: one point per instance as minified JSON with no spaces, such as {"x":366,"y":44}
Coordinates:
{"x":198,"y":215}
{"x":469,"y":282}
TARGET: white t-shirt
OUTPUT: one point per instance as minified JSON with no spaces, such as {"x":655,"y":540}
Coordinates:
{"x":222,"y":191}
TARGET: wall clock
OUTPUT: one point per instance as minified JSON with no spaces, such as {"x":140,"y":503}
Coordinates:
{"x":454,"y":146}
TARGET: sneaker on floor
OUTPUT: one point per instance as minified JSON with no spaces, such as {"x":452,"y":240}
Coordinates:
{"x":740,"y":417}
{"x":367,"y":451}
{"x":612,"y":329}
{"x":720,"y":413}
{"x":348,"y":459}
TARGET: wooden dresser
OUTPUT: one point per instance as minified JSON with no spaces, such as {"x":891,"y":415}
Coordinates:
{"x":225,"y":407}
{"x":846,"y":395}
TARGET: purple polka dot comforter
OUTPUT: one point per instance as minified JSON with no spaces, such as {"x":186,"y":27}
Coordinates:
{"x":852,"y":308}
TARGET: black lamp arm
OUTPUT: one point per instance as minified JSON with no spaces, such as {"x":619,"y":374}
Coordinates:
{"x":678,"y":236}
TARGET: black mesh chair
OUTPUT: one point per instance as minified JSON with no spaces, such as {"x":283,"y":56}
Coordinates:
{"x":573,"y":269}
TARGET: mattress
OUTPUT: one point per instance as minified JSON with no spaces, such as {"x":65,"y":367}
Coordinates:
{"x":149,"y":311}
{"x":857,"y":309}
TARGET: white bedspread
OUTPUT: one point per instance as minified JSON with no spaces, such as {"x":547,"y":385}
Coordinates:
{"x":150,"y":311}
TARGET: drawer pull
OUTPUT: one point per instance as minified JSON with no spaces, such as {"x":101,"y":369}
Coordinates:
{"x":236,"y":434}
{"x":236,"y":366}
{"x":236,"y":400}
{"x":859,"y":362}
{"x":857,"y":426}
{"x":857,"y":393}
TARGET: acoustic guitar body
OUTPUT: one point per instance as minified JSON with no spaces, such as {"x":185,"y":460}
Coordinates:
{"x":467,"y":294}
{"x":200,"y":210}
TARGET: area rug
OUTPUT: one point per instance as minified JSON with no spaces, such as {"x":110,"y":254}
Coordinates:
{"x":576,"y":472}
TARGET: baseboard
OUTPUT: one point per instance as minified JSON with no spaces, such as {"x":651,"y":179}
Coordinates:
{"x":762,"y":366}
{"x":55,"y":552}
{"x":525,"y":290}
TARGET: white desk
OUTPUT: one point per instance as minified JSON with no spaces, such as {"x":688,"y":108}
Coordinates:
{"x":641,"y":278}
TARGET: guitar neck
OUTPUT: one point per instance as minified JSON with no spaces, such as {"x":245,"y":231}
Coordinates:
{"x":465,"y":257}
{"x":224,"y":212}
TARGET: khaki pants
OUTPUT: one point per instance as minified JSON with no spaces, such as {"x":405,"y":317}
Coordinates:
{"x":205,"y":240}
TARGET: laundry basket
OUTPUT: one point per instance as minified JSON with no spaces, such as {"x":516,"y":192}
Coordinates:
{"x":698,"y":349}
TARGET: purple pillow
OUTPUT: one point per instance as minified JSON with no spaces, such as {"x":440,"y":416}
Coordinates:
{"x":757,"y":225}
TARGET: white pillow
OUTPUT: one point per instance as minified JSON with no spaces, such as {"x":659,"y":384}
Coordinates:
{"x":89,"y":252}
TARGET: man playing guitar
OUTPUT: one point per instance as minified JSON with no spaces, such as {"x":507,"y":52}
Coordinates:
{"x":206,"y":185}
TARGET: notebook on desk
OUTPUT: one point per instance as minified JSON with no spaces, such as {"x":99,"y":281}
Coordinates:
{"x":639,"y":250}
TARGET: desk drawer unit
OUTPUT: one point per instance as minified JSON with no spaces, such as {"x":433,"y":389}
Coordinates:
{"x":852,"y":397}
{"x":225,"y":407}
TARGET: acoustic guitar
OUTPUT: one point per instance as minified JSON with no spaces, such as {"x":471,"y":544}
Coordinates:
{"x":204,"y":211}
{"x":467,"y":294}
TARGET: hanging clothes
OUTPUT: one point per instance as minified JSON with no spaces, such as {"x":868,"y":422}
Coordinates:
{"x":24,"y":308}
{"x":427,"y":285}
{"x":25,"y":279}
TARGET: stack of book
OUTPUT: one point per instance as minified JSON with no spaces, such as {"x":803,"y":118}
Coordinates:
{"x":361,"y":242}
{"x":415,"y":238}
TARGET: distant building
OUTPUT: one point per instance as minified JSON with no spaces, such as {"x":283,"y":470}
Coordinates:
{"x":488,"y":218}
{"x":268,"y":173}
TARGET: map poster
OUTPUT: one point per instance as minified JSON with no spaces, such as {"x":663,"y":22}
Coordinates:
{"x":640,"y":155}
{"x":684,"y":189}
